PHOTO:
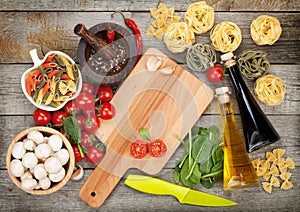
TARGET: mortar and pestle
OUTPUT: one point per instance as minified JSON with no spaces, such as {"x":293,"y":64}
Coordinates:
{"x":101,"y":62}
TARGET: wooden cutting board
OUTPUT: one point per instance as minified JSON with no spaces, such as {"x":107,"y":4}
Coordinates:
{"x":167,"y":105}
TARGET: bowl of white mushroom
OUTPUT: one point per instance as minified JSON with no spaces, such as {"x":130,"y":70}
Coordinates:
{"x":40,"y":160}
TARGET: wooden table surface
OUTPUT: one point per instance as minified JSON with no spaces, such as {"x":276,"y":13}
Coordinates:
{"x":45,"y":24}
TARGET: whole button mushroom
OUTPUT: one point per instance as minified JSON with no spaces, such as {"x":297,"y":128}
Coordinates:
{"x":28,"y":184}
{"x":57,"y":177}
{"x":18,"y":150}
{"x":42,"y":151}
{"x":53,"y":165}
{"x":28,"y":144}
{"x":29,"y":160}
{"x":36,"y":136}
{"x":63,"y":156}
{"x":45,"y":183}
{"x":55,"y":142}
{"x":27,"y":174}
{"x":39,"y":171}
{"x":16,"y":168}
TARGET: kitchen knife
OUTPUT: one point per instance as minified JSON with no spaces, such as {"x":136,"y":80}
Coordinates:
{"x":183,"y":194}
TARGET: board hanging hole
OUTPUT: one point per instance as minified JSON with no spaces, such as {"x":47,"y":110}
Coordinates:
{"x":93,"y":194}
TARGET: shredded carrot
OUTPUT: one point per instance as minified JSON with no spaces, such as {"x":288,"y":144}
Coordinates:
{"x":52,"y":73}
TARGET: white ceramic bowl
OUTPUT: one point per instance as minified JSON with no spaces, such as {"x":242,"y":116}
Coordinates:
{"x":37,"y":62}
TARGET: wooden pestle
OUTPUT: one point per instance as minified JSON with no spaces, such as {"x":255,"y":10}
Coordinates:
{"x":95,"y":42}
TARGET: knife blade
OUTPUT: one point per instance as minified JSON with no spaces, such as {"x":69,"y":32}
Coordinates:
{"x":184,"y":195}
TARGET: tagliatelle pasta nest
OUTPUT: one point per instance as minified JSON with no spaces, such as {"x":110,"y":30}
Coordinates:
{"x":164,"y":17}
{"x":270,"y":89}
{"x":200,"y":17}
{"x":178,"y":37}
{"x":253,"y":64}
{"x":274,"y":169}
{"x":265,"y":30}
{"x":226,"y":37}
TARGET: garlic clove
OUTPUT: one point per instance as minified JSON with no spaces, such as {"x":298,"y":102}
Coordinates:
{"x":153,"y":63}
{"x":78,"y":173}
{"x":167,"y":70}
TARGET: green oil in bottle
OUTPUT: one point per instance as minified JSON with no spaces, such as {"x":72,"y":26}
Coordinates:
{"x":238,"y":169}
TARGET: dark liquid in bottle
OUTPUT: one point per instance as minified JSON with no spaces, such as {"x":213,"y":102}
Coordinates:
{"x":258,"y":130}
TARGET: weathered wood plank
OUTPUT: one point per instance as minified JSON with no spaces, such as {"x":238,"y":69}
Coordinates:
{"x":144,"y":5}
{"x":13,"y":101}
{"x":286,"y":126}
{"x":23,"y":31}
{"x":124,"y":198}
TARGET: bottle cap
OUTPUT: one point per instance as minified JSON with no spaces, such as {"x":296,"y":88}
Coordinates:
{"x":227,"y":56}
{"x":222,"y":90}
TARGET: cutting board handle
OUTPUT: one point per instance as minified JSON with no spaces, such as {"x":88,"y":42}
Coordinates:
{"x":98,"y":187}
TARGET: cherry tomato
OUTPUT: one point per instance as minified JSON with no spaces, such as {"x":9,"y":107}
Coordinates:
{"x":215,"y":73}
{"x":70,"y":107}
{"x":78,"y":156}
{"x":91,"y":123}
{"x":157,"y":148}
{"x":94,"y":155}
{"x":41,"y":117}
{"x":87,"y":139}
{"x":107,"y":111}
{"x":87,"y":88}
{"x":104,"y":93}
{"x":57,"y":118}
{"x":138,"y":149}
{"x":85,"y":101}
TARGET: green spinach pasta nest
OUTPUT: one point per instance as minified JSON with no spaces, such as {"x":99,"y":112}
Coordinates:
{"x":253,"y":64}
{"x":200,"y":57}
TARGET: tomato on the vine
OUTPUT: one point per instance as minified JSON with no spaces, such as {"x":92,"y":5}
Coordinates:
{"x":70,"y":107}
{"x":87,"y":88}
{"x":78,"y":156}
{"x":107,"y":111}
{"x":94,"y":155}
{"x":157,"y":148}
{"x":215,"y":73}
{"x":138,"y":149}
{"x":85,"y":101}
{"x":104,"y":93}
{"x":57,"y":118}
{"x":41,"y":117}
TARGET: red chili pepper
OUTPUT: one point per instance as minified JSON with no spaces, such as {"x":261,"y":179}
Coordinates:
{"x":138,"y":37}
{"x":110,"y":35}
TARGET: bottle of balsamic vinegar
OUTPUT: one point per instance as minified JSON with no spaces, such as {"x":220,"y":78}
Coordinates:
{"x":238,"y":169}
{"x":258,"y":130}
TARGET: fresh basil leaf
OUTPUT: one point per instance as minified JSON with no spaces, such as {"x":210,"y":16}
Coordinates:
{"x":145,"y":134}
{"x":72,"y":130}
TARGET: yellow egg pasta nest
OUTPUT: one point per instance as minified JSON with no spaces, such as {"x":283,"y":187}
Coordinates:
{"x":265,"y":30}
{"x":163,"y":17}
{"x":226,"y":36}
{"x":270,"y":89}
{"x":274,"y":170}
{"x":200,"y":17}
{"x":178,"y":37}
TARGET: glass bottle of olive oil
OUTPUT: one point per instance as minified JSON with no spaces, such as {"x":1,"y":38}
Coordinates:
{"x":238,"y":169}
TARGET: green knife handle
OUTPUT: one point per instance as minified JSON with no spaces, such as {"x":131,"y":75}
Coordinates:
{"x":156,"y":186}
